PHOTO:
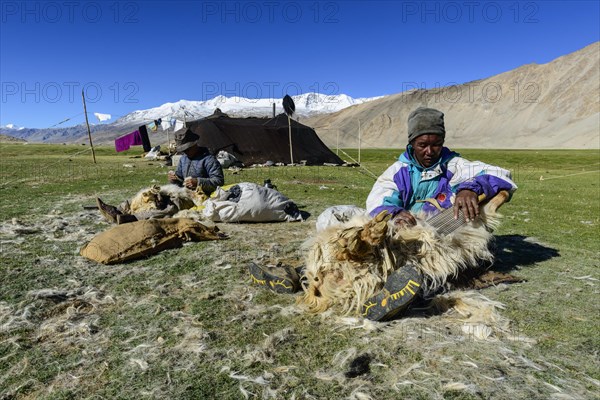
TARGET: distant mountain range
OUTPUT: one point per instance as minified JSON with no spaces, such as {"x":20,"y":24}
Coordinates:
{"x":536,"y":106}
{"x":308,"y":104}
{"x":554,"y":105}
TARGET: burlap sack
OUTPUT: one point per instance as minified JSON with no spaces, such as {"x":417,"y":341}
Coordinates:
{"x":143,"y":238}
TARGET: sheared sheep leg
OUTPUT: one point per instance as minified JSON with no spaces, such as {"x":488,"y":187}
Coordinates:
{"x":496,"y":201}
{"x":375,"y":230}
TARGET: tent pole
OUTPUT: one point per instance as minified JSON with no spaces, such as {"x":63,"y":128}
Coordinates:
{"x":290,"y":129}
{"x":88,"y":126}
{"x":289,"y":107}
{"x":359,"y":141}
{"x":168,"y":142}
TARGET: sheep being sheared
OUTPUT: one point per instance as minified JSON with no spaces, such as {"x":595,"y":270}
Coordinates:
{"x":348,"y":264}
{"x":158,"y":198}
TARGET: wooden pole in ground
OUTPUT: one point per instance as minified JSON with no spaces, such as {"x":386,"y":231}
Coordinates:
{"x":88,"y":126}
{"x":168,"y":141}
{"x":289,"y":107}
{"x":290,"y":129}
{"x":359,"y":141}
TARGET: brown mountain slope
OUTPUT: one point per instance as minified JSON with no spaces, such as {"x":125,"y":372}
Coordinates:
{"x":553,"y":105}
{"x":10,"y":139}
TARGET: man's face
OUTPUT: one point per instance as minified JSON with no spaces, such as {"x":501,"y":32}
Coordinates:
{"x":428,"y":149}
{"x":191,"y":152}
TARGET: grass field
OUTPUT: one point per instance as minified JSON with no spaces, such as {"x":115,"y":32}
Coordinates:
{"x":187,"y":324}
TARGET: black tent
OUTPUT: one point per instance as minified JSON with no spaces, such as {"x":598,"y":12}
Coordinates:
{"x":258,"y":140}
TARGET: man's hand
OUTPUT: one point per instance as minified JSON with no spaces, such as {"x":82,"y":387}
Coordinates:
{"x":405,"y":218}
{"x":191,"y":183}
{"x":466,"y":200}
{"x":172,"y":177}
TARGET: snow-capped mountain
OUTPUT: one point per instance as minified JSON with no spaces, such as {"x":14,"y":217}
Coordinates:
{"x":309,"y":104}
{"x":306,"y":104}
{"x":13,"y":126}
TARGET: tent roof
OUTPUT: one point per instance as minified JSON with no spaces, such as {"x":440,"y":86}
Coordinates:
{"x":258,"y":140}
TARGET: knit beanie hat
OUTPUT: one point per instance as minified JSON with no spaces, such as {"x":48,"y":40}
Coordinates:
{"x":425,"y":121}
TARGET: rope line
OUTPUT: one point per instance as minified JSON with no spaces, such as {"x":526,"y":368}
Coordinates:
{"x":360,"y":165}
{"x":562,"y":176}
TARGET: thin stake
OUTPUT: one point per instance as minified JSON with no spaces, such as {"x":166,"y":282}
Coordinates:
{"x":290,"y":129}
{"x":88,"y":126}
{"x":359,"y":141}
{"x":289,"y":107}
{"x":168,"y":141}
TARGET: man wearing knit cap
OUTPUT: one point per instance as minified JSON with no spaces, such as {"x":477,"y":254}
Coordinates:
{"x":426,"y":179}
{"x":429,"y":177}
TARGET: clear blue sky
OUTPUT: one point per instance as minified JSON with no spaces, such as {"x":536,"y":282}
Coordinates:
{"x":133,"y":55}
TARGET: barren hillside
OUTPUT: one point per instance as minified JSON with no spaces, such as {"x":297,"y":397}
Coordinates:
{"x":553,"y":105}
{"x":10,"y":139}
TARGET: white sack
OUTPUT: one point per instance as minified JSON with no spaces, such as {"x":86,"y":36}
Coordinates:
{"x":337,"y":215}
{"x":256,"y":204}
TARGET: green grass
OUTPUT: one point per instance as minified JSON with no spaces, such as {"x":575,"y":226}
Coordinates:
{"x":186,"y":324}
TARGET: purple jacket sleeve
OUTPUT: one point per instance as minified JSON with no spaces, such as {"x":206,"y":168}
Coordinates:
{"x":481,"y":178}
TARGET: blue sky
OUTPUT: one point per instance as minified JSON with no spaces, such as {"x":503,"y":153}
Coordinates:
{"x":131,"y":55}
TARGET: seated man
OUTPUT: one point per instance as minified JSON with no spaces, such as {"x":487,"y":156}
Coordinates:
{"x":429,"y":177}
{"x":197,"y":169}
{"x":426,"y":179}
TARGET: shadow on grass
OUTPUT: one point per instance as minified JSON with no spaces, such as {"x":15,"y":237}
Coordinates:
{"x":514,"y":251}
